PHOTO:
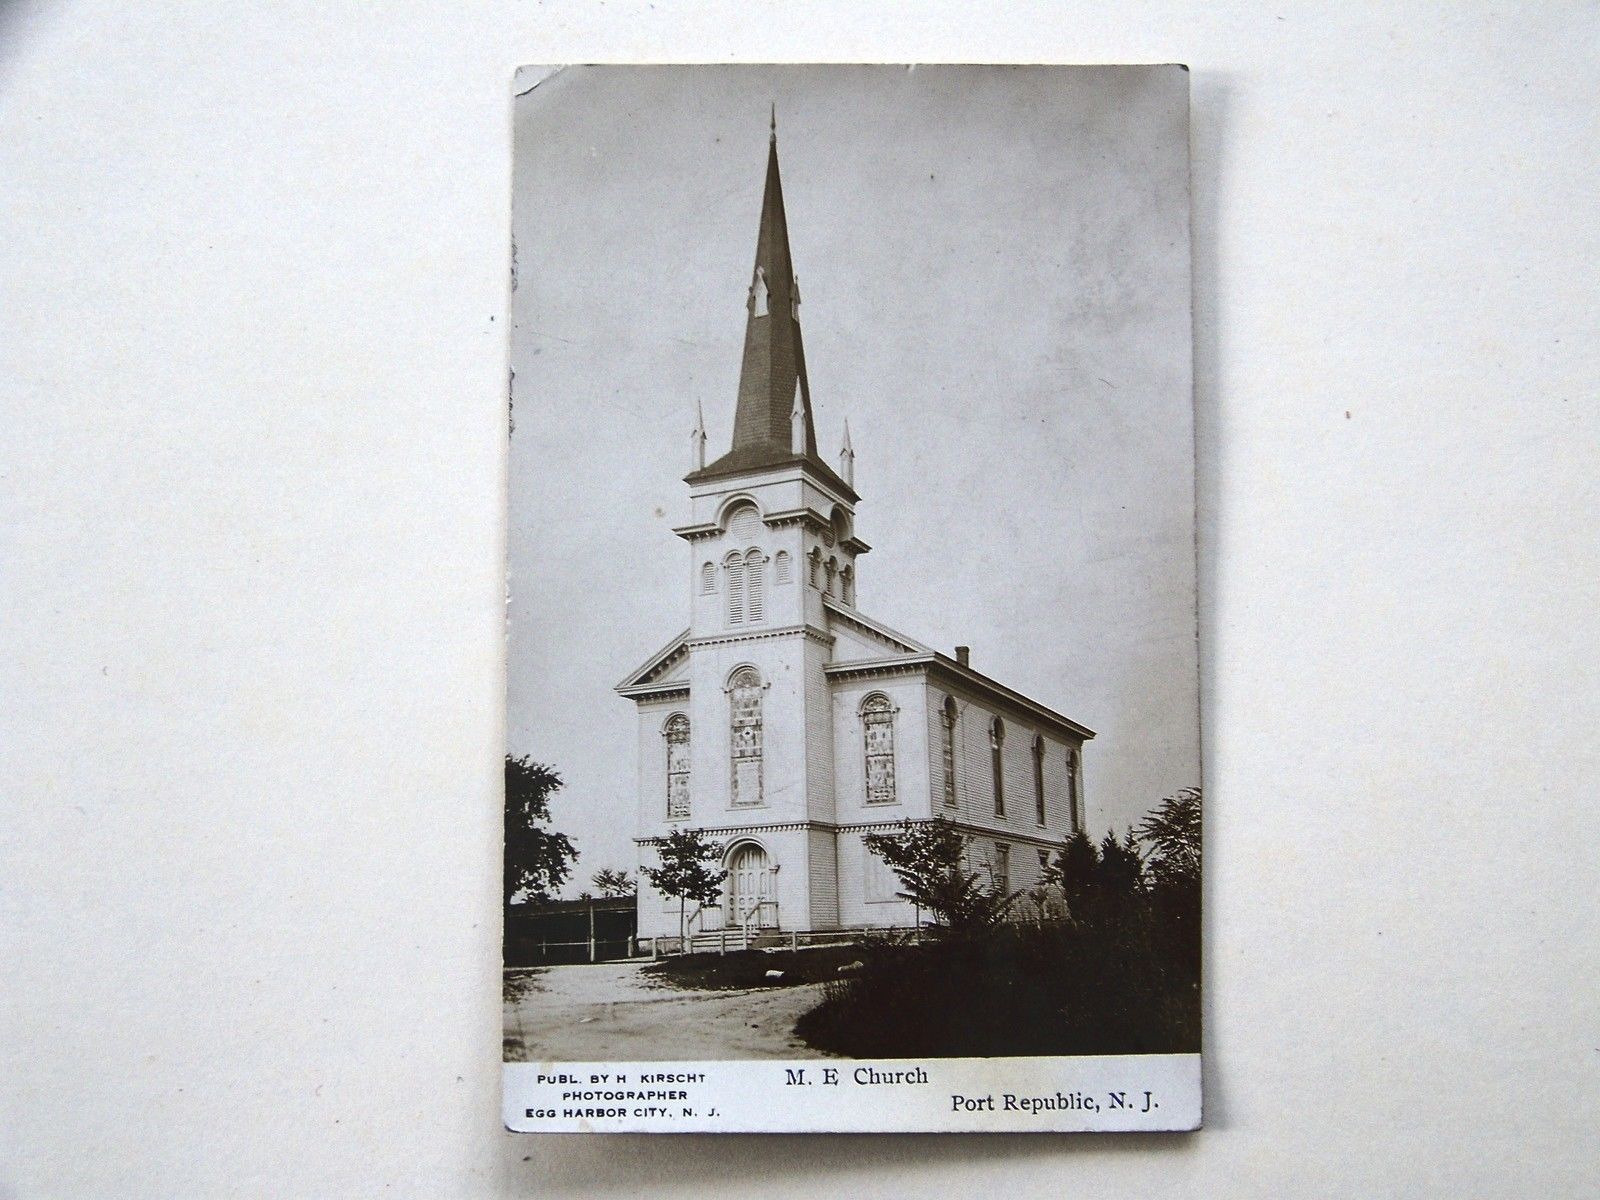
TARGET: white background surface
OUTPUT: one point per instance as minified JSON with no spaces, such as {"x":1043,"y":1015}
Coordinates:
{"x":254,"y":276}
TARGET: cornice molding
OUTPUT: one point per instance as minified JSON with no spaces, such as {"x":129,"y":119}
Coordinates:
{"x":654,"y":691}
{"x":723,"y":639}
{"x":967,"y":827}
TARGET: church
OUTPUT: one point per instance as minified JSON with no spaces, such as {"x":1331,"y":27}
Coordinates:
{"x":785,"y":723}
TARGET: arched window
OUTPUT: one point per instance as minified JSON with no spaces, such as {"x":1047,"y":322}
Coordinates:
{"x":708,"y":578}
{"x":755,"y":586}
{"x":877,"y":731}
{"x":781,"y":567}
{"x":833,"y":569}
{"x":847,"y":584}
{"x":997,"y":737}
{"x":816,"y":566}
{"x":1038,"y":778}
{"x":734,"y":566}
{"x":744,"y":704}
{"x":676,"y":731}
{"x":947,"y":719}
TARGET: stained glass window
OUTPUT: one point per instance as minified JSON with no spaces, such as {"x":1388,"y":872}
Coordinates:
{"x":744,"y":695}
{"x":677,"y":735}
{"x":877,"y":722}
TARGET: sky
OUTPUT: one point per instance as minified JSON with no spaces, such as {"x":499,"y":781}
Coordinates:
{"x":994,"y":266}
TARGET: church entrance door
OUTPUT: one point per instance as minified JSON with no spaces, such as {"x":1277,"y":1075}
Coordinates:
{"x":750,"y":898}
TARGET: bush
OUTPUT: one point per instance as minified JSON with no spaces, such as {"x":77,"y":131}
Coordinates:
{"x":1125,"y":982}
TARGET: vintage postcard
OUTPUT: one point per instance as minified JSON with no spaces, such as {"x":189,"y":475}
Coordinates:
{"x":853,"y":748}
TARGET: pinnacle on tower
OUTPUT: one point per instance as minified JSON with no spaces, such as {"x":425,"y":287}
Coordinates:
{"x":697,"y":439}
{"x":847,"y":457}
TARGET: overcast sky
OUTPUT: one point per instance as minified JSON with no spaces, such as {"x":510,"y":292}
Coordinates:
{"x":994,"y":264}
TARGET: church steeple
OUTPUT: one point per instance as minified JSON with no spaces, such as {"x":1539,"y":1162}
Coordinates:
{"x":773,"y":424}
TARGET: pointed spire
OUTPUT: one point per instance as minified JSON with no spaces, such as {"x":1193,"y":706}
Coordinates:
{"x":773,"y":425}
{"x":697,"y":439}
{"x":847,"y":457}
{"x":772,"y":383}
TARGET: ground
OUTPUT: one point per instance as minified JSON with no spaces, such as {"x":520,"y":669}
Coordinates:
{"x":615,"y":1012}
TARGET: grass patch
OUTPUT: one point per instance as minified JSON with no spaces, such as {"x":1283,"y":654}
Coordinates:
{"x":741,"y":969}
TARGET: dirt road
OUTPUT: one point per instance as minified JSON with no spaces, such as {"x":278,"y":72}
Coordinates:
{"x":611,"y":1012}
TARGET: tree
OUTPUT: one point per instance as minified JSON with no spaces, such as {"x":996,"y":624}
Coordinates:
{"x":684,"y":871}
{"x":1172,"y":831}
{"x":613,"y":883}
{"x":1121,"y":866}
{"x":537,"y":860}
{"x":926,"y":856}
{"x":1076,"y":868}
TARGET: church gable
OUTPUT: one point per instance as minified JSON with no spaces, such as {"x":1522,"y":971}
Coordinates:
{"x":670,"y":664}
{"x":860,"y":639}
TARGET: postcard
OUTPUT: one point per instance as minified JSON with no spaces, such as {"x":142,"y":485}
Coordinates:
{"x":853,"y":747}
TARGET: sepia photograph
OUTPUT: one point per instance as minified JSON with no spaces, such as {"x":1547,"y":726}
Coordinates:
{"x":853,"y":694}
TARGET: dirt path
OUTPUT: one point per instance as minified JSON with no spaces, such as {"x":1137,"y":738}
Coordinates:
{"x":611,"y":1012}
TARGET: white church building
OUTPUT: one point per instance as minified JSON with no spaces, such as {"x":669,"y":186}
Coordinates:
{"x":785,"y":723}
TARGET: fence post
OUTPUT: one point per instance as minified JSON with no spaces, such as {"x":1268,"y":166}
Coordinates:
{"x":722,"y":941}
{"x":591,"y":931}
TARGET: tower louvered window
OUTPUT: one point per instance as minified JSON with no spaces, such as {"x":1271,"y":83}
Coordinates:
{"x":744,"y":702}
{"x":781,"y":567}
{"x":877,"y":728}
{"x":847,"y":584}
{"x":677,"y":735}
{"x":755,"y":585}
{"x":1038,"y":778}
{"x":708,"y":578}
{"x":734,"y":566}
{"x":947,"y":719}
{"x":816,"y":566}
{"x":997,"y":737}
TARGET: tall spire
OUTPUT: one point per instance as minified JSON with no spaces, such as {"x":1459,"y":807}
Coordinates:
{"x":773,"y":424}
{"x":847,"y":457}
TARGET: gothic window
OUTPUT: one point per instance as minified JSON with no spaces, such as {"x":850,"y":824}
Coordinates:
{"x":877,"y":731}
{"x":781,"y":566}
{"x":755,"y":585}
{"x":847,"y":584}
{"x":947,"y":718}
{"x":1002,"y":867}
{"x":1044,"y":864}
{"x":734,"y":566}
{"x":1038,"y":778}
{"x":816,"y":566}
{"x":708,"y":578}
{"x":997,"y":737}
{"x":676,"y":731}
{"x":744,"y":702}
